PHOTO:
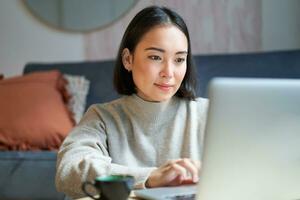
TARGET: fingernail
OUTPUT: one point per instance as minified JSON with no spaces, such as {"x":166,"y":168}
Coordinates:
{"x":195,"y":179}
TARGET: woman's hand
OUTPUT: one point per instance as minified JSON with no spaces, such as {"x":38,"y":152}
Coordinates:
{"x":175,"y":172}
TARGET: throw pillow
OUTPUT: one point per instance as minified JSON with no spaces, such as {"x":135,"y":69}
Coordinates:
{"x":1,"y":76}
{"x":77,"y":87}
{"x":34,"y":113}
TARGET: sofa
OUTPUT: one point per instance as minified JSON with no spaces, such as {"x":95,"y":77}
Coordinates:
{"x":30,"y":174}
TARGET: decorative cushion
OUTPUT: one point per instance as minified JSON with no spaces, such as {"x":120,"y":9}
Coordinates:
{"x":34,"y":113}
{"x":1,"y":76}
{"x":77,"y":87}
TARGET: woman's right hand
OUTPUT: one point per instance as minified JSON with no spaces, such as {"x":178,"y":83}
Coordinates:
{"x":175,"y":172}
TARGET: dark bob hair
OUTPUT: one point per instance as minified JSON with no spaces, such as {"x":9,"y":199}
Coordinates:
{"x":143,"y":22}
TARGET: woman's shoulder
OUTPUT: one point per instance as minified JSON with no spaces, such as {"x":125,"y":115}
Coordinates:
{"x":199,"y":102}
{"x":198,"y":105}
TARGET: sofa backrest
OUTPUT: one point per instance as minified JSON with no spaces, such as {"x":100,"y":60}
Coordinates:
{"x":277,"y":64}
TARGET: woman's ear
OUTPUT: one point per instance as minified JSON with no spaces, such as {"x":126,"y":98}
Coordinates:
{"x":127,"y":59}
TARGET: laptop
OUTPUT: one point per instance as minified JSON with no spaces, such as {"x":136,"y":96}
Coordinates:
{"x":251,"y":145}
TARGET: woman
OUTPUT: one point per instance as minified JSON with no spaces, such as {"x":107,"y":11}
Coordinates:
{"x":154,"y":132}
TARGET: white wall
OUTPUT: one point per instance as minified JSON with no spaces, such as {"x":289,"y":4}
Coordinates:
{"x":280,"y":24}
{"x":24,"y":39}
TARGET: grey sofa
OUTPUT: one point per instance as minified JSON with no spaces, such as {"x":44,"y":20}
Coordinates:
{"x":30,"y":175}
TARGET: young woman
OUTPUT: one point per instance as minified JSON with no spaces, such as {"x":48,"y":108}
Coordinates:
{"x":154,"y":132}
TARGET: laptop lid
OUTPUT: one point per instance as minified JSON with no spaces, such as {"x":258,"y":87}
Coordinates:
{"x":252,"y":141}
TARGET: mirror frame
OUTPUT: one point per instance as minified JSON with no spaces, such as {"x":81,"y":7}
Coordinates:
{"x":51,"y":25}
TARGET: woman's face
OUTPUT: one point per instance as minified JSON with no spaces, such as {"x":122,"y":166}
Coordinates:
{"x":158,"y":64}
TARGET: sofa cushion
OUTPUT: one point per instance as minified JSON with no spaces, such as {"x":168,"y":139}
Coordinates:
{"x":77,"y":87}
{"x":99,"y":73}
{"x":28,"y":175}
{"x":34,"y":114}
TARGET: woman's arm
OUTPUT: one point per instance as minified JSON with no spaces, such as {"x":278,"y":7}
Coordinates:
{"x":84,"y":156}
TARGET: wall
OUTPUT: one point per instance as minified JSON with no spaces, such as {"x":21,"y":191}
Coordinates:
{"x":281,"y":24}
{"x":272,"y":25}
{"x":215,"y":27}
{"x":24,"y":39}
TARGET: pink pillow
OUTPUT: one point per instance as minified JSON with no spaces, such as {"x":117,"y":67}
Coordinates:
{"x":34,"y":113}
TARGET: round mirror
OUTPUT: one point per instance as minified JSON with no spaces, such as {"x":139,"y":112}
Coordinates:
{"x":79,"y":15}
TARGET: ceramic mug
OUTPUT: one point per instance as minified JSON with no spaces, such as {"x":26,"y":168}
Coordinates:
{"x":111,"y":187}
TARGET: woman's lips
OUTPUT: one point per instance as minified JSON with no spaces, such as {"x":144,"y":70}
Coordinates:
{"x":164,"y":87}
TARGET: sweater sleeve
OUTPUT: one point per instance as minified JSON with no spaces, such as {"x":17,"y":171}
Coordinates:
{"x":83,"y":156}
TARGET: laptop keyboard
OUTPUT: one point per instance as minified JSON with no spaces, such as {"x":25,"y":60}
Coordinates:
{"x":182,"y":197}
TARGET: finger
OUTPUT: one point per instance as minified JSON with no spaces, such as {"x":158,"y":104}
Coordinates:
{"x":172,"y":175}
{"x":170,"y":162}
{"x":197,"y":163}
{"x":190,"y":167}
{"x":179,"y":170}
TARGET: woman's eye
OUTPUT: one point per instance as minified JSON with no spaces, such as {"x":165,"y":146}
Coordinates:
{"x":179,"y":60}
{"x":154,"y":57}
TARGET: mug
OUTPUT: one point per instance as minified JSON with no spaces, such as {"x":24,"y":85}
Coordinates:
{"x":110,"y":187}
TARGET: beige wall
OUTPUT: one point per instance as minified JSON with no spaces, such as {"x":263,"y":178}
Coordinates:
{"x":216,"y":26}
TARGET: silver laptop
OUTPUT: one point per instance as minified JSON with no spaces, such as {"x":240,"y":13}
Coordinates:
{"x":252,"y":143}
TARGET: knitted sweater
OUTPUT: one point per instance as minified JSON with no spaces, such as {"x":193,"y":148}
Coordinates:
{"x":130,"y":136}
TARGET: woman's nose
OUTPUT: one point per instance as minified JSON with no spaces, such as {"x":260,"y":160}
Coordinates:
{"x":167,"y":71}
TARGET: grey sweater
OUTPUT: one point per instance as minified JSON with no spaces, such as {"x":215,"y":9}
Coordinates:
{"x":130,"y":136}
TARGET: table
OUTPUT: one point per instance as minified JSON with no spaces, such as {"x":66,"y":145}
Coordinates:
{"x":131,"y":197}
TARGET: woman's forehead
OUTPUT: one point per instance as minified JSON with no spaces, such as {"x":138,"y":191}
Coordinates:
{"x":164,"y":36}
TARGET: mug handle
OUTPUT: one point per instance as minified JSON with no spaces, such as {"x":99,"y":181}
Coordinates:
{"x":83,"y":187}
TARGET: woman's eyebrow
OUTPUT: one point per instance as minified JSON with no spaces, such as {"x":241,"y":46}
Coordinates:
{"x":155,"y":49}
{"x":181,"y":52}
{"x":162,"y":50}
